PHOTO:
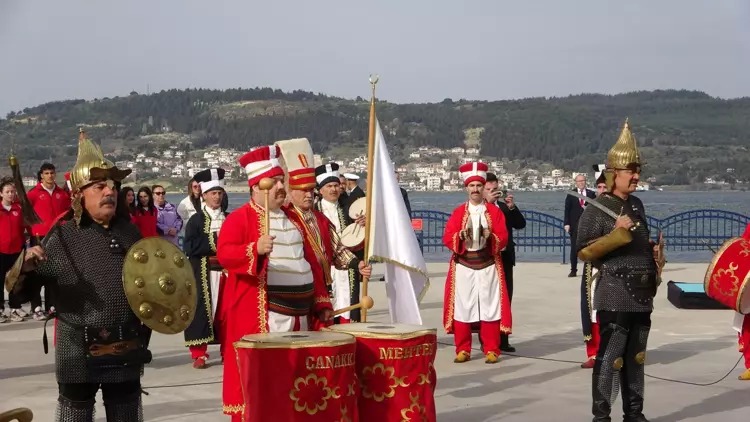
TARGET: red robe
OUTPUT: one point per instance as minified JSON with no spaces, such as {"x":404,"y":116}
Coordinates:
{"x":496,"y":242}
{"x":244,"y":305}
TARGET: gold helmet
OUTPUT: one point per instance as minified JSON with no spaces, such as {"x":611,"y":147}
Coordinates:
{"x":160,"y":285}
{"x":623,"y":155}
{"x":91,"y":166}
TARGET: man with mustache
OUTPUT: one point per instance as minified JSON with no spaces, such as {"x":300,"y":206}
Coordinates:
{"x":201,"y":237}
{"x":331,"y":254}
{"x":83,"y":256}
{"x":274,"y":281}
{"x":345,"y":283}
{"x":475,"y":290}
{"x":627,"y":282}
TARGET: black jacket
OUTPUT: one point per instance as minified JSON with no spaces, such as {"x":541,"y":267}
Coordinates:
{"x":573,"y":210}
{"x":513,"y":220}
{"x":406,"y":201}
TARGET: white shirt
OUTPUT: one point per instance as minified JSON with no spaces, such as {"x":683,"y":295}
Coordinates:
{"x":217,"y":218}
{"x":331,"y":210}
{"x":286,"y":264}
{"x":7,"y":207}
{"x":478,"y":223}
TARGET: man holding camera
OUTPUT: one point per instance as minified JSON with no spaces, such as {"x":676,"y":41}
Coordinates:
{"x":513,"y":220}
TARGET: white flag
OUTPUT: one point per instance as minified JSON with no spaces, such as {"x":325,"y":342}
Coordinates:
{"x":392,"y":240}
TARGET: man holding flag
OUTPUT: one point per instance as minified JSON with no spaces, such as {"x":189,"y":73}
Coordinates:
{"x":475,"y":290}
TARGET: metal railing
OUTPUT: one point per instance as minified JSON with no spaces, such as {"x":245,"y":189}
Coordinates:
{"x":687,"y":231}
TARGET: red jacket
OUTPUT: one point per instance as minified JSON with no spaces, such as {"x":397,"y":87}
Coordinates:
{"x":12,"y":238}
{"x":48,"y":207}
{"x":146,"y":222}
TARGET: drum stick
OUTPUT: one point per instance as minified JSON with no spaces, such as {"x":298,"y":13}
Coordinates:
{"x":365,"y":302}
{"x":265,"y":185}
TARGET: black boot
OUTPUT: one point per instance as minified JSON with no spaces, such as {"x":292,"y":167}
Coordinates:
{"x":74,"y":411}
{"x":632,"y":381}
{"x":125,"y":409}
{"x":606,"y":372}
{"x":505,"y":344}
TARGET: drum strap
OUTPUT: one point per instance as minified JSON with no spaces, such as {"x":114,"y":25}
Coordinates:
{"x":476,"y":260}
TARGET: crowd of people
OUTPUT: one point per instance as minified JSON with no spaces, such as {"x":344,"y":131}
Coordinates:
{"x":278,"y":264}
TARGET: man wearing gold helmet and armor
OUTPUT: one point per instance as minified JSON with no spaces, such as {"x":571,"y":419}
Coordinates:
{"x":100,"y":341}
{"x":623,"y":299}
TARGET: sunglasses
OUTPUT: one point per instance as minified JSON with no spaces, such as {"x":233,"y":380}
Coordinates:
{"x":159,"y":193}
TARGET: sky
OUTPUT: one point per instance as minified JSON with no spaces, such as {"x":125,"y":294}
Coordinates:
{"x":423,"y":50}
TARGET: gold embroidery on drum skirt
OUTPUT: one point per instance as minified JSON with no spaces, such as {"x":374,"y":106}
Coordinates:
{"x":380,"y":382}
{"x":311,"y":394}
{"x":415,"y":412}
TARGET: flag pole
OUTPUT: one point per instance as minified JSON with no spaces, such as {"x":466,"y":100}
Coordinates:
{"x":368,"y":196}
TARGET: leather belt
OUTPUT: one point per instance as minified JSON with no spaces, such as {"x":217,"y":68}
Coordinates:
{"x":116,"y":348}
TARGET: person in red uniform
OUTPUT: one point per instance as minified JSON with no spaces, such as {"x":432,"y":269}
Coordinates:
{"x":475,"y":290}
{"x":12,"y":242}
{"x":146,"y":214}
{"x":49,"y":201}
{"x":274,"y":281}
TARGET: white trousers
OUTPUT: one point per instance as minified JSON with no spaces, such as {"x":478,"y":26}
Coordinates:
{"x":341,"y":290}
{"x":477,"y":294}
{"x":214,"y":282}
{"x":278,"y":323}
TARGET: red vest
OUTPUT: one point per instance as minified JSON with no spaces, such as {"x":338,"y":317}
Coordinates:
{"x":47,"y":207}
{"x":12,"y":238}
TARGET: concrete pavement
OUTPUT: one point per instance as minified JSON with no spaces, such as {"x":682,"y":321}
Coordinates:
{"x":542,"y":383}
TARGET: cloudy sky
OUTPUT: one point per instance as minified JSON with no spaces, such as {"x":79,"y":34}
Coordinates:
{"x":424,"y":50}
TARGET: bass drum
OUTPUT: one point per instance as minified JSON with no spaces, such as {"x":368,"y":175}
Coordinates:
{"x":727,"y":277}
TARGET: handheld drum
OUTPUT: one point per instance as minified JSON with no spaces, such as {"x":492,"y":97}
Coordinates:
{"x":395,"y":366}
{"x":298,"y":376}
{"x":727,"y":277}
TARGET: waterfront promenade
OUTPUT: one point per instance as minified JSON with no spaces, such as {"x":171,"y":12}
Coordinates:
{"x":691,"y":345}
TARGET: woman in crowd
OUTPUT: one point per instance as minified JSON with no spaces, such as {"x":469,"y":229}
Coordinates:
{"x":12,"y":241}
{"x":146,"y":214}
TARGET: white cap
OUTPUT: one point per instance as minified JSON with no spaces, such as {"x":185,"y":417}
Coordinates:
{"x":350,"y":176}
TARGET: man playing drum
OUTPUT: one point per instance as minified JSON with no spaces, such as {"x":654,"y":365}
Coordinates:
{"x":620,"y":249}
{"x":475,"y":290}
{"x":274,"y":281}
{"x":345,"y":283}
{"x":331,"y":254}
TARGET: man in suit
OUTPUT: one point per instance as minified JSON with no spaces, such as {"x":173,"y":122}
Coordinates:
{"x":353,"y":190}
{"x":573,"y":209}
{"x":513,"y":220}
{"x":404,"y":195}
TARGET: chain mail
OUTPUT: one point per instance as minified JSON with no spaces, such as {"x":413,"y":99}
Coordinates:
{"x":636,"y":371}
{"x":607,"y":380}
{"x":125,"y":411}
{"x":96,"y":301}
{"x":627,"y":281}
{"x":71,"y":411}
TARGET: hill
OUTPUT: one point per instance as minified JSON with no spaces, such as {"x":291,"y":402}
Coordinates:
{"x":685,"y":136}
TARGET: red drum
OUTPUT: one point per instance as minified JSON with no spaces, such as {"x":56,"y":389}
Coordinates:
{"x":298,"y":376}
{"x":395,"y":367}
{"x":727,"y":276}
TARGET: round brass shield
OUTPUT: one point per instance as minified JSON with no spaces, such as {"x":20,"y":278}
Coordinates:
{"x":160,"y":285}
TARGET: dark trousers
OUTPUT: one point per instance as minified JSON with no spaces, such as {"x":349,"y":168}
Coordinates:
{"x":111,"y":392}
{"x":6,"y":262}
{"x":620,"y":362}
{"x":35,"y":290}
{"x":573,"y":251}
{"x":508,"y":272}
